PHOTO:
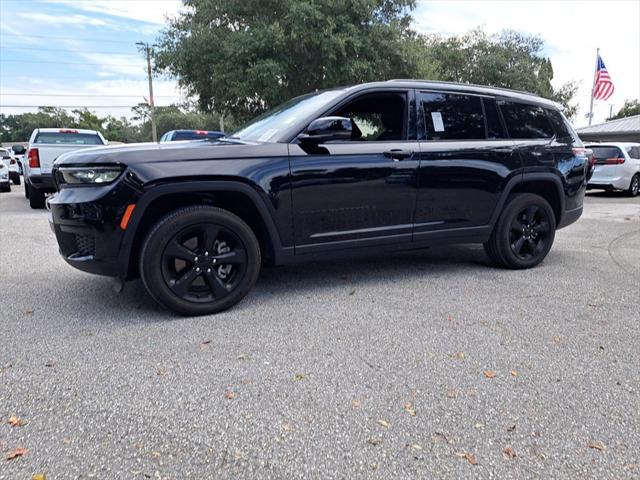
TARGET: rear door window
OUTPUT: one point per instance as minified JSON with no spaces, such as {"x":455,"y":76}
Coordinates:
{"x":452,"y":117}
{"x":525,"y":120}
{"x":495,"y":129}
{"x":68,"y":138}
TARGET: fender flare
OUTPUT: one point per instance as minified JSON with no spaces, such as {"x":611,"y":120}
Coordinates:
{"x":530,"y":177}
{"x":157,"y":191}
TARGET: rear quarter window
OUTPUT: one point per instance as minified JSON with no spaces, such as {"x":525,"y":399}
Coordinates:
{"x":525,"y":121}
{"x":560,"y":126}
{"x":68,"y":138}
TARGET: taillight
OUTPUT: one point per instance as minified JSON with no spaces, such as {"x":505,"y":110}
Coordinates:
{"x":67,"y":131}
{"x":201,"y":132}
{"x":579,"y":152}
{"x":34,"y":158}
{"x":613,"y":161}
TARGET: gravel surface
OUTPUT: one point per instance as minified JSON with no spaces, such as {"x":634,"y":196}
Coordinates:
{"x":422,"y":365}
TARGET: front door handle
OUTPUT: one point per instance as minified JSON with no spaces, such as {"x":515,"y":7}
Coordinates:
{"x":398,"y":154}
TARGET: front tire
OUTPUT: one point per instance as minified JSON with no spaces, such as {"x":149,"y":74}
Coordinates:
{"x":199,"y":260}
{"x":634,"y":186}
{"x":36,"y":198}
{"x":524,"y":233}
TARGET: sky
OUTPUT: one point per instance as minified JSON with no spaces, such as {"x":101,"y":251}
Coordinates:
{"x":83,"y":52}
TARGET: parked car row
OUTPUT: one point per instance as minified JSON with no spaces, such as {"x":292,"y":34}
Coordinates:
{"x":10,"y":160}
{"x":617,"y":167}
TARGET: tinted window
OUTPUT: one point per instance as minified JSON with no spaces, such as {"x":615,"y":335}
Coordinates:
{"x":525,"y":121}
{"x":494,"y":125}
{"x":602,"y":153}
{"x":377,"y":116}
{"x":75,"y":138}
{"x":194,"y":135}
{"x":452,"y":117}
{"x":634,"y":152}
{"x":559,"y":124}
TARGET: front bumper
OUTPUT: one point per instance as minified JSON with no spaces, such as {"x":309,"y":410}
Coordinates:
{"x":43,"y":182}
{"x":86,"y":223}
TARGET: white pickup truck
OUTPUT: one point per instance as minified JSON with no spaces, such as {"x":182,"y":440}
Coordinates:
{"x":45,"y":145}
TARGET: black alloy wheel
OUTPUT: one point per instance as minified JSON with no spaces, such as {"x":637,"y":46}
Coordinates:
{"x":634,"y":186}
{"x":199,"y":260}
{"x":529,"y":232}
{"x":524,"y":232}
{"x":204,"y":262}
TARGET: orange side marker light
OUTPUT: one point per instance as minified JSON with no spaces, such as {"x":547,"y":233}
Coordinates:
{"x":127,"y":215}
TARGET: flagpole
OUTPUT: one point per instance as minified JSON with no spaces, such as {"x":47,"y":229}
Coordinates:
{"x":595,"y":74}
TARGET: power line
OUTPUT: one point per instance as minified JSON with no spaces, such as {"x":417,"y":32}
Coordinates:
{"x":73,"y":63}
{"x":67,"y":50}
{"x":74,"y":77}
{"x":81,"y":95}
{"x":73,"y":106}
{"x":103,"y":40}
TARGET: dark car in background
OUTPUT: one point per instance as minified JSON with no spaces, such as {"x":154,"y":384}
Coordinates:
{"x":177,"y":135}
{"x":365,"y":170}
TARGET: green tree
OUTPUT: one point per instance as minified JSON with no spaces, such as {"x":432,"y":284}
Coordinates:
{"x":509,"y":59}
{"x":629,"y":109}
{"x":245,"y":57}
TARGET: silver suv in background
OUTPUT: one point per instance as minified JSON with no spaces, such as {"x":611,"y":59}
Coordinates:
{"x":617,"y":167}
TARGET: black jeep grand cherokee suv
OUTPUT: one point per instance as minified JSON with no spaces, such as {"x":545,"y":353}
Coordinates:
{"x":368,"y":169}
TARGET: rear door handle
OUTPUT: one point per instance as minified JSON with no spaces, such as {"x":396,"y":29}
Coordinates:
{"x":398,"y":154}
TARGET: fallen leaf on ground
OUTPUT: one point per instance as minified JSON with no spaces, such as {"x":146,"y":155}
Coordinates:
{"x":39,"y":476}
{"x":161,"y":371}
{"x":301,"y":376}
{"x":460,"y":355}
{"x":15,"y":421}
{"x":355,"y":403}
{"x":49,"y":364}
{"x":384,"y":423}
{"x":596,"y":445}
{"x":18,"y":452}
{"x":451,"y":393}
{"x":247,"y":381}
{"x":511,"y":428}
{"x":238,"y":455}
{"x":375,"y":441}
{"x":514,"y":373}
{"x":66,"y":440}
{"x":415,"y":446}
{"x":352,"y":292}
{"x":408,"y":407}
{"x":470,"y":457}
{"x":242,"y":356}
{"x":28,"y":311}
{"x":205,"y":342}
{"x":374,"y":466}
{"x":450,"y":318}
{"x":556,"y":339}
{"x":478,"y":425}
{"x":509,"y":453}
{"x":229,"y":395}
{"x":287,"y":428}
{"x":204,"y":345}
{"x":489,"y":374}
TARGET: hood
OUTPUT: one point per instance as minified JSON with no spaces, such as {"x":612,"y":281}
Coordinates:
{"x":163,"y":152}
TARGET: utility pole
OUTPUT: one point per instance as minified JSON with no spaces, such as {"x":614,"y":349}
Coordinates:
{"x":154,"y":132}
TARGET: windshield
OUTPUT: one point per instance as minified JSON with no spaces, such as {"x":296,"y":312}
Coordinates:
{"x":267,"y":126}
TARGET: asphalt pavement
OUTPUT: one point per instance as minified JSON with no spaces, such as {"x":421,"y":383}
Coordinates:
{"x":430,"y":364}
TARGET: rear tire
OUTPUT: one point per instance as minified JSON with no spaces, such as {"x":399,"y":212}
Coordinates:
{"x":26,"y":189}
{"x":634,"y":186}
{"x":16,"y":179}
{"x":524,"y":233}
{"x":6,"y":188}
{"x":36,"y":198}
{"x":199,"y":260}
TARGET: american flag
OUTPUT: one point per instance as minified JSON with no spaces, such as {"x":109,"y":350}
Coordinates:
{"x":603,"y":86}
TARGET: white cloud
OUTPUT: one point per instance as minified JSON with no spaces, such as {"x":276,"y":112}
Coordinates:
{"x":144,"y":11}
{"x":572,"y":31}
{"x":75,"y":20}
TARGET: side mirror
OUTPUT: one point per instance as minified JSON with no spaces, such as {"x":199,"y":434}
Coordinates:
{"x":325,"y":129}
{"x":18,"y":149}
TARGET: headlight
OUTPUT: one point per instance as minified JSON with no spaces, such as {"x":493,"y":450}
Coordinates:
{"x":88,"y":175}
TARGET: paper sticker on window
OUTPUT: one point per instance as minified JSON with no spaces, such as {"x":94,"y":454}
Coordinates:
{"x":438,"y":126}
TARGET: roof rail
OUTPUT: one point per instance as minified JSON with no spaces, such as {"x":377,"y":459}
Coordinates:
{"x":444,"y":82}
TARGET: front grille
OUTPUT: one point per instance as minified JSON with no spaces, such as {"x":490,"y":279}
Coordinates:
{"x":85,"y":245}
